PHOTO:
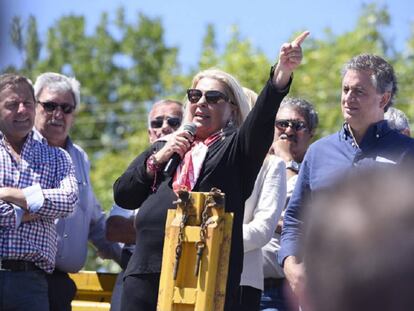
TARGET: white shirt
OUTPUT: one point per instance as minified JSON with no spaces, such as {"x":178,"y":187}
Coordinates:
{"x":262,"y":211}
{"x":271,"y":268}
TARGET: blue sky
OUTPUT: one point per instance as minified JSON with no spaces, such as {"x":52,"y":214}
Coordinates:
{"x":267,"y":23}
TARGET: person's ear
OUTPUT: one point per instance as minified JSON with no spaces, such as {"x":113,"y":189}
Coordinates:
{"x":385,"y":98}
{"x":233,"y":114}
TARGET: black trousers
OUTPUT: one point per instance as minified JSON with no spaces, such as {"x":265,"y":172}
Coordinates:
{"x":61,"y":290}
{"x":248,"y":298}
{"x":140,"y":292}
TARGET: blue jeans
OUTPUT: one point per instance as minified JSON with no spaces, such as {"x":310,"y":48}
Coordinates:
{"x":23,"y":291}
{"x":273,"y":296}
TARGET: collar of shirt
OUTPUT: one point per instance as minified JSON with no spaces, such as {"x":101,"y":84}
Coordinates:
{"x":39,"y":137}
{"x":374,"y":132}
{"x":28,"y":142}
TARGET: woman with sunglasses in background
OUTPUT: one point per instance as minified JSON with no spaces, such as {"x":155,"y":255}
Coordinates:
{"x":226,"y":152}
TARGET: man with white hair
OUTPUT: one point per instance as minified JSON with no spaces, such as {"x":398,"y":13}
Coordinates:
{"x":397,"y":120}
{"x":57,"y":97}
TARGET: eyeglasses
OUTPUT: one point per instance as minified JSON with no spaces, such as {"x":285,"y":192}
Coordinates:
{"x":294,"y":124}
{"x":212,"y":96}
{"x":158,"y":122}
{"x":52,"y":106}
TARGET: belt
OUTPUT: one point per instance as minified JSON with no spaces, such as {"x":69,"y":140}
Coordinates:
{"x":273,"y":282}
{"x":17,"y":265}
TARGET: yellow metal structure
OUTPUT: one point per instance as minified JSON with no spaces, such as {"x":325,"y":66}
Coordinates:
{"x":200,"y":231}
{"x":94,"y":290}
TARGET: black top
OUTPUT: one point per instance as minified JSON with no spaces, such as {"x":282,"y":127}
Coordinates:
{"x":231,"y":165}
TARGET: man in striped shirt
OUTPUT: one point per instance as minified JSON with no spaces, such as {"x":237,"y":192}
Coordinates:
{"x":37,"y":186}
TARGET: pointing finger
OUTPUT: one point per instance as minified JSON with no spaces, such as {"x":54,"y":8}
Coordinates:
{"x":299,"y":39}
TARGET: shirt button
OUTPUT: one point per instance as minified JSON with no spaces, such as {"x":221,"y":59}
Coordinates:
{"x":377,"y":135}
{"x":65,"y":235}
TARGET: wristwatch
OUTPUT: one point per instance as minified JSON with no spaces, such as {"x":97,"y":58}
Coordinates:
{"x":293,"y":165}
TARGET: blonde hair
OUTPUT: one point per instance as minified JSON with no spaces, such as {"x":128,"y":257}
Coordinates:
{"x":234,"y":92}
{"x":251,"y":96}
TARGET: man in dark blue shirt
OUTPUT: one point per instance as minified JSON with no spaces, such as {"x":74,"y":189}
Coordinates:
{"x":365,"y":139}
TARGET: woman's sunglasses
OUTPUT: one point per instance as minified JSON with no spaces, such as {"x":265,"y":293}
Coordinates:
{"x":294,"y":124}
{"x":158,"y":122}
{"x":212,"y":96}
{"x":52,"y":106}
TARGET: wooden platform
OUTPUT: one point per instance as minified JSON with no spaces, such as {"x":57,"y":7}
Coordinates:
{"x":94,"y":290}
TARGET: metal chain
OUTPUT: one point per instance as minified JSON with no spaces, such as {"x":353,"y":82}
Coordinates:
{"x":201,"y":244}
{"x":179,"y":247}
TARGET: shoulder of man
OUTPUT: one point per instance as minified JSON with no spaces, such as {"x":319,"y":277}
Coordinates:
{"x":75,"y":148}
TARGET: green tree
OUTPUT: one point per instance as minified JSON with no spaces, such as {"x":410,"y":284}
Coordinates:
{"x":125,"y":66}
{"x":33,"y":45}
{"x":249,"y":64}
{"x":239,"y":58}
{"x":121,"y":66}
{"x":209,"y":57}
{"x":405,"y":72}
{"x":319,"y":78}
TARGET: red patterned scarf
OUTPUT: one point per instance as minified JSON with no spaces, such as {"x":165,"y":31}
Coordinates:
{"x":189,"y":169}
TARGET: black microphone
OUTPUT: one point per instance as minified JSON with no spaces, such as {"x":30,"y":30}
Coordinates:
{"x":172,"y":164}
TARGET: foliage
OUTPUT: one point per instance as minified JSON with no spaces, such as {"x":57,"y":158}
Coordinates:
{"x":125,"y":66}
{"x":239,"y":58}
{"x":122,"y":66}
{"x":108,"y":167}
{"x":405,"y":70}
{"x":319,"y":79}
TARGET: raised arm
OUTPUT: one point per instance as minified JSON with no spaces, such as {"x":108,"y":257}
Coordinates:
{"x":256,"y":133}
{"x":290,"y":57}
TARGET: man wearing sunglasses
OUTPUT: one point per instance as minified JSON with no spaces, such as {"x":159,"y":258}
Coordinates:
{"x":37,"y":186}
{"x":164,"y":118}
{"x":364,"y":141}
{"x":295,"y":125}
{"x":57,"y":97}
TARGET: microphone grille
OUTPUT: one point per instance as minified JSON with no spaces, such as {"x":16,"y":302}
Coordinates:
{"x":190,"y":128}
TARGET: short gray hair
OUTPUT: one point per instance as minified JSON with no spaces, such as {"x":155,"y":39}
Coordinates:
{"x":163,"y":102}
{"x":304,"y":108}
{"x":382,"y":73}
{"x":397,"y":119}
{"x":59,"y":83}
